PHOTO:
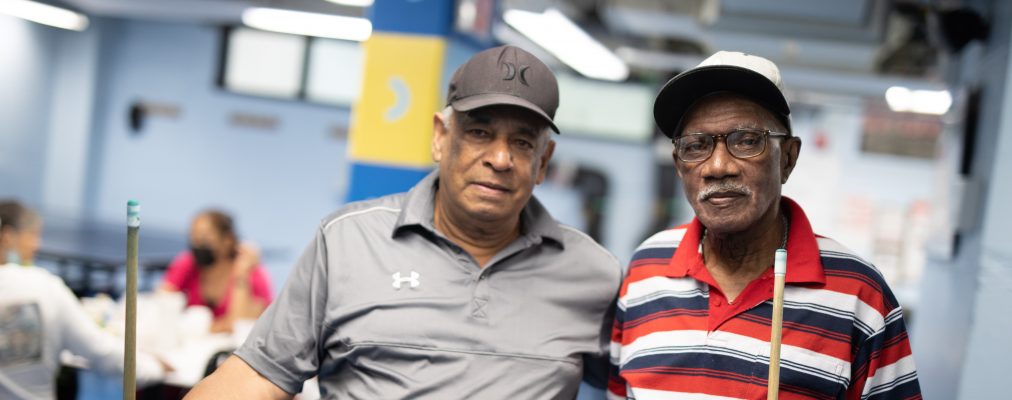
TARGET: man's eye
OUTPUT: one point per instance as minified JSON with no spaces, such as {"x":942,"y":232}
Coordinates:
{"x":479,"y":133}
{"x":524,"y":144}
{"x":748,"y":140}
{"x":695,"y":145}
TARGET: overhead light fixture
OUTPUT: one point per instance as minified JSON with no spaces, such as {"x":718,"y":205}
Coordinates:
{"x":935,"y":102}
{"x":308,"y":24}
{"x":44,"y":14}
{"x":569,"y":43}
{"x":353,"y":3}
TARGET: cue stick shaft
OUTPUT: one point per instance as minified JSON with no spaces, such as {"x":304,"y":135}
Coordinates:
{"x":776,"y":330}
{"x":130,"y":329}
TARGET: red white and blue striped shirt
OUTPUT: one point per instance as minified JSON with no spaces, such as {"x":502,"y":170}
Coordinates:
{"x":677,"y":337}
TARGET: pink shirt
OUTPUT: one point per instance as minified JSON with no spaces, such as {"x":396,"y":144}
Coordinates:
{"x":184,"y":274}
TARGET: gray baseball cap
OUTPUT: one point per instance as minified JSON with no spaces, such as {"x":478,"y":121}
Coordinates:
{"x":725,"y":71}
{"x":505,"y":75}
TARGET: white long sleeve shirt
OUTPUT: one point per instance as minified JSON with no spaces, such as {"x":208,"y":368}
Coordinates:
{"x":40,"y":317}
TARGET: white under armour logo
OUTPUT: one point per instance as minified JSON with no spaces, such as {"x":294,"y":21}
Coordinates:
{"x":413,"y":279}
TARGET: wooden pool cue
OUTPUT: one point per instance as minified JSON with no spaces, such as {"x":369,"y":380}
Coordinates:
{"x":776,"y":330}
{"x":130,"y":328}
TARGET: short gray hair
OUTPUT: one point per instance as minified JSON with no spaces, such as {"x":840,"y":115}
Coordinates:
{"x":447,"y":115}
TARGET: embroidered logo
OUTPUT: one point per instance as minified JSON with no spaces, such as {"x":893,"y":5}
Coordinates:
{"x":399,"y":280}
{"x":512,"y":72}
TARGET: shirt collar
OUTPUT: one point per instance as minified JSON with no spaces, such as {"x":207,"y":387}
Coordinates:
{"x":804,"y":264}
{"x":419,"y":205}
{"x":418,"y":210}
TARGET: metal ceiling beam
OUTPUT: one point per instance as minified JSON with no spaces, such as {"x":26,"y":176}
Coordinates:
{"x":847,"y":44}
{"x":211,"y":11}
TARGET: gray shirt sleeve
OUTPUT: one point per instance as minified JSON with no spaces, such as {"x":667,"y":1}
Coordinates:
{"x":284,"y":345}
{"x":596,"y":366}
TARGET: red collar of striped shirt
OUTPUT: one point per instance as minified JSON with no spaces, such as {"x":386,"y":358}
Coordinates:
{"x":804,"y":264}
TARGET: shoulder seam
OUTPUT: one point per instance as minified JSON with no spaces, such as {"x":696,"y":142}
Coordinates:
{"x":594,"y":243}
{"x":354,"y":213}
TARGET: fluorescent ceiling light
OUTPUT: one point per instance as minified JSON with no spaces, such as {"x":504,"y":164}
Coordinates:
{"x":935,"y":102}
{"x":565,"y":40}
{"x":44,"y":14}
{"x":308,"y":24}
{"x":353,"y":3}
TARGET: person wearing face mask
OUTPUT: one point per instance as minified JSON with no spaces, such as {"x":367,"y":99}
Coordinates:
{"x":40,"y":317}
{"x":219,"y":272}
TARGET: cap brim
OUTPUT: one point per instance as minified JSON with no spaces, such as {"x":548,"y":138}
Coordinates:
{"x":499,"y":99}
{"x":678,"y":95}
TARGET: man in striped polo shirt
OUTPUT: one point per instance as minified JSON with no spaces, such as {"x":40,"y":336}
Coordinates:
{"x":694,"y":313}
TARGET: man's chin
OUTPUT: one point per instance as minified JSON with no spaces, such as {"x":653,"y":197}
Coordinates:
{"x":723,"y":226}
{"x":490,"y":215}
{"x":490,"y":206}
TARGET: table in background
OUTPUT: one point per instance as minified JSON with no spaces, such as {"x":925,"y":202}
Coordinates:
{"x":100,"y":247}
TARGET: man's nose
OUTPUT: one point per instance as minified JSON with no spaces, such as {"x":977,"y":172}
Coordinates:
{"x":499,"y":157}
{"x":721,"y":163}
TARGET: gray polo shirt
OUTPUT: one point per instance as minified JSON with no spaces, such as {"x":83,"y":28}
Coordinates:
{"x":382,"y":306}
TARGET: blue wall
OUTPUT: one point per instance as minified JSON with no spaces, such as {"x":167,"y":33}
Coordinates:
{"x":28,"y":59}
{"x":961,"y":340}
{"x":989,"y":349}
{"x":71,"y":113}
{"x":278,"y":183}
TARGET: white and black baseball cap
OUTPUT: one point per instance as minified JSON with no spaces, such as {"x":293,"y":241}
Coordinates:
{"x":725,"y":71}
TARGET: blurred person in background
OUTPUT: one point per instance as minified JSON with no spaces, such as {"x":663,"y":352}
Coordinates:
{"x":694,"y":313}
{"x":465,"y":287}
{"x":220,"y":272}
{"x":40,"y":317}
{"x":20,"y":234}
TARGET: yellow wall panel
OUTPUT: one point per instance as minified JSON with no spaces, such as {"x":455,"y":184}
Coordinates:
{"x":392,"y":121}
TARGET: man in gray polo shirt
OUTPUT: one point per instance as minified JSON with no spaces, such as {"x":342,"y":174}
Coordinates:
{"x":462,"y":288}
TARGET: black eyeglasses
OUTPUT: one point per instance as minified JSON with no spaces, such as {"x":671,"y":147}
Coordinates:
{"x":741,"y":143}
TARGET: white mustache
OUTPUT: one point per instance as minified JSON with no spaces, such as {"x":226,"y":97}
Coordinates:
{"x":723,"y":187}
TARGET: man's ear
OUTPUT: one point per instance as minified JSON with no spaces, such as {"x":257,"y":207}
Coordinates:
{"x":789,"y":157}
{"x":438,"y":133}
{"x":545,"y":158}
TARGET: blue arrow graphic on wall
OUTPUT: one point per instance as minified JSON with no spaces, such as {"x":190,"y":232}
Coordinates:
{"x":402,"y":96}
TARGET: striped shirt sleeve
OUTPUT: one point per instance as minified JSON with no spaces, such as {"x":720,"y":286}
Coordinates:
{"x":883,"y":367}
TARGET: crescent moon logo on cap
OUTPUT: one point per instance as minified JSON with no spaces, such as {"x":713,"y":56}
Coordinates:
{"x":523,"y":74}
{"x":511,"y":71}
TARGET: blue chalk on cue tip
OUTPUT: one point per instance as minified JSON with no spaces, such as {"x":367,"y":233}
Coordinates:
{"x":133,"y":213}
{"x":780,"y":262}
